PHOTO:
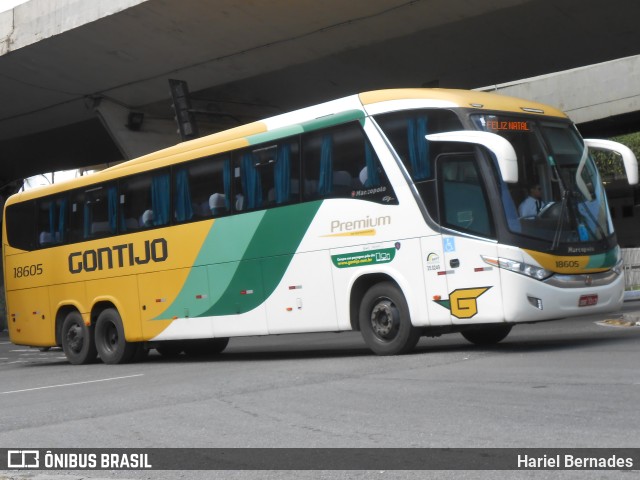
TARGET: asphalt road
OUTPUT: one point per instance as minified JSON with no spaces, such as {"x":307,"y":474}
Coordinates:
{"x":569,"y":383}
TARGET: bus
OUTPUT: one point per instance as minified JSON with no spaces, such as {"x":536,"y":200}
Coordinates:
{"x":395,"y":213}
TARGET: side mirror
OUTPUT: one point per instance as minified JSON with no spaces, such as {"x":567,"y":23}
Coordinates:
{"x":628,"y":157}
{"x":499,"y":146}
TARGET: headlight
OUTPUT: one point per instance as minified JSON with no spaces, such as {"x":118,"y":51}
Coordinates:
{"x":619,"y":267}
{"x":518,"y":267}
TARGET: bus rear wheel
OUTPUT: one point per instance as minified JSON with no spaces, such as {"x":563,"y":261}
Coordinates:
{"x":384,"y":321}
{"x":111,"y":344}
{"x":77,"y":340}
{"x":486,"y":335}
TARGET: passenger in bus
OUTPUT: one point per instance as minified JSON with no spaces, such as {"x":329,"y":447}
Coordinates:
{"x":216,"y":204}
{"x":531,"y":206}
{"x":45,"y":238}
{"x":239,"y":202}
{"x":146,"y":220}
{"x":363,"y":176}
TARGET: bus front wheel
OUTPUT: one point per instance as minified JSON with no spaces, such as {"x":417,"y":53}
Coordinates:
{"x":111,"y":344}
{"x":384,"y":321}
{"x":487,"y":335}
{"x":77,"y":340}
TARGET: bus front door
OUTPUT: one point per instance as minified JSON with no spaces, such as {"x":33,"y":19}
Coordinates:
{"x":474,"y":290}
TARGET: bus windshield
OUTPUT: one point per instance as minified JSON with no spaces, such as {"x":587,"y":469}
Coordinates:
{"x":559,"y":196}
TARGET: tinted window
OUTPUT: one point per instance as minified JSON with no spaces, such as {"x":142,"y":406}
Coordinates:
{"x":267,"y":176}
{"x":52,"y":221}
{"x":463,"y":199}
{"x":145,"y":201}
{"x":406,"y":131}
{"x":202,"y":189}
{"x":93,"y":212}
{"x":340,"y":162}
{"x":21,"y":222}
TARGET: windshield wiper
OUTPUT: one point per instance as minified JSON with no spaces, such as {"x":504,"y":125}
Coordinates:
{"x":563,"y":208}
{"x":565,"y":201}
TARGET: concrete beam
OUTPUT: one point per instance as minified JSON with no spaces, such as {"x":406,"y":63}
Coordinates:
{"x":586,"y":93}
{"x":37,"y":20}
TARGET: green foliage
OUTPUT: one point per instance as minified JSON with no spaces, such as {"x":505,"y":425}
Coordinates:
{"x":609,"y":164}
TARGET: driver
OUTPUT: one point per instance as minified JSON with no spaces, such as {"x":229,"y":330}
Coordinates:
{"x":531,"y":206}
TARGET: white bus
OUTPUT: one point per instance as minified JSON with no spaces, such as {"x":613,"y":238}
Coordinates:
{"x":398,"y":213}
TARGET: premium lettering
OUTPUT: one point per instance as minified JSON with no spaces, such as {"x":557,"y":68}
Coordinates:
{"x":367,"y":222}
{"x":119,"y":256}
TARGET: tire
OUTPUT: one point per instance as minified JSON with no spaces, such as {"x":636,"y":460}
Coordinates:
{"x":170,"y":348}
{"x":487,"y":335}
{"x":77,"y":340}
{"x":384,"y":321}
{"x":110,"y":340}
{"x":141,"y":352}
{"x":205,"y":348}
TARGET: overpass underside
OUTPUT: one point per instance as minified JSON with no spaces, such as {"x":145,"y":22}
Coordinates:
{"x":72,"y":71}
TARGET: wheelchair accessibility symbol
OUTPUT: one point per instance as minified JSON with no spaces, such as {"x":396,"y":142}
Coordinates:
{"x":449,"y":244}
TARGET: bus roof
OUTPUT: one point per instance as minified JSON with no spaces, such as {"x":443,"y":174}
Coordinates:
{"x":462,"y":99}
{"x":327,"y":113}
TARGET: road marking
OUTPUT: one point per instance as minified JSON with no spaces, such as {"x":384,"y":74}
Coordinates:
{"x":71,"y":384}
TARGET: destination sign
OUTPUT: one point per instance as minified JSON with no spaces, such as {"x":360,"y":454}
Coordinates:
{"x":508,"y":125}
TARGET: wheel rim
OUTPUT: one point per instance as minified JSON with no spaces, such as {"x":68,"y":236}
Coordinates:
{"x":75,"y":338}
{"x":111,"y":337}
{"x":385,"y":319}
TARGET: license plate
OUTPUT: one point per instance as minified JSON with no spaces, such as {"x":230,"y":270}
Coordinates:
{"x":588,"y":300}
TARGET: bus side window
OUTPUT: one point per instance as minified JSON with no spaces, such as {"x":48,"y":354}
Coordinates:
{"x":340,"y":162}
{"x":406,"y":131}
{"x":144,"y":201}
{"x":202,"y":189}
{"x":21,"y":222}
{"x":93,"y":212}
{"x":464,"y":204}
{"x":52,"y":221}
{"x":267,"y":175}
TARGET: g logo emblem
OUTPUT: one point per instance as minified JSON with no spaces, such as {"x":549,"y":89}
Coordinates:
{"x":463,"y":302}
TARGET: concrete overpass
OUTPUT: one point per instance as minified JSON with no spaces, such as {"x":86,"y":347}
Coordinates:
{"x":604,"y":99}
{"x":71,"y":71}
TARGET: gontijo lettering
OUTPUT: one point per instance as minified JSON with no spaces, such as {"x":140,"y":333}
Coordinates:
{"x":118,"y":256}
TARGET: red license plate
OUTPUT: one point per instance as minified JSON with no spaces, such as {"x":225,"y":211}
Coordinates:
{"x":588,"y":300}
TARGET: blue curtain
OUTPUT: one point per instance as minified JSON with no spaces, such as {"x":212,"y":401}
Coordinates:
{"x":112,"y":202}
{"x":510,"y":210}
{"x":160,"y":199}
{"x":251,"y":185}
{"x":418,"y":148}
{"x":325,"y":183}
{"x":226,"y":178}
{"x":373,"y":179}
{"x":62,"y":220}
{"x":184,"y":209}
{"x":282,"y":174}
{"x":88,"y":218}
{"x":52,"y":219}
